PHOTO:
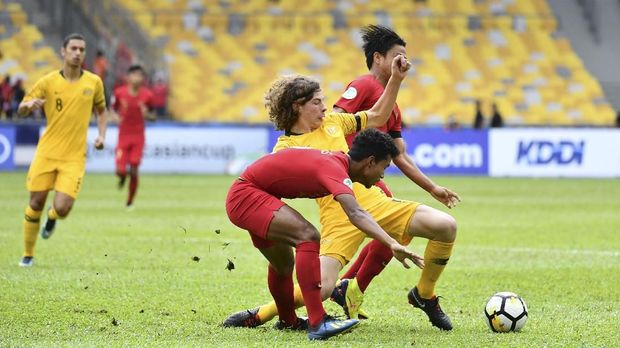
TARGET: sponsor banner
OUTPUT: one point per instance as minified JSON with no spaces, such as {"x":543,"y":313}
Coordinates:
{"x":216,"y":150}
{"x":438,"y":151}
{"x":555,"y":152}
{"x":7,"y":148}
{"x":273,"y":138}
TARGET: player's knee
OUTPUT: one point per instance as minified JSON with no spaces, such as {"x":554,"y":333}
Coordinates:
{"x":309,"y":233}
{"x":63,"y":209}
{"x":448,"y":229}
{"x":284,"y":268}
{"x":36,"y":204}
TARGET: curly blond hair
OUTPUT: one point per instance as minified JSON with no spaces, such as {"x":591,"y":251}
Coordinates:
{"x":283,"y":94}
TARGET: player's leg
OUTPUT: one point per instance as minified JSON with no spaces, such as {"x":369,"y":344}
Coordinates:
{"x":40,"y":179}
{"x":393,"y":215}
{"x":121,"y":164}
{"x":272,"y":221}
{"x":330,"y":267}
{"x":67,"y":186}
{"x":31,"y":225}
{"x":289,"y":227}
{"x":135,"y":155}
{"x":380,"y":254}
{"x":440,"y":229}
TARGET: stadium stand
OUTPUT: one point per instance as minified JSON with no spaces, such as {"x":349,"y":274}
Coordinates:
{"x":25,"y":54}
{"x":222,"y":56}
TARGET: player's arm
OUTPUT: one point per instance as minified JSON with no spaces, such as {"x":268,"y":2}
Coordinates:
{"x":33,"y":101}
{"x":380,"y":113}
{"x":102,"y":125}
{"x":364,"y":221}
{"x":101,"y":113}
{"x":408,"y":167}
{"x":27,"y":107}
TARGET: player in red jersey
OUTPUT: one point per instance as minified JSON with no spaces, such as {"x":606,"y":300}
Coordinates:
{"x":132,"y":102}
{"x":253,"y":203}
{"x":381,"y":45}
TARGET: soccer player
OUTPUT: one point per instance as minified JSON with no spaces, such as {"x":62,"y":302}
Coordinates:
{"x":132,"y":103}
{"x":254,"y":203}
{"x":380,"y":46}
{"x":67,"y":97}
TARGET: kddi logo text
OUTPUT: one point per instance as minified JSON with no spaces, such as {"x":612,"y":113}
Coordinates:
{"x":540,"y":152}
{"x":446,"y":155}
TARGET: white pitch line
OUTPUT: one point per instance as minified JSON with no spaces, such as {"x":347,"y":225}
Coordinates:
{"x":584,"y":252}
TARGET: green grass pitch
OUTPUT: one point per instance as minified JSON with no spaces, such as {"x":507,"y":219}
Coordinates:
{"x":109,"y":277}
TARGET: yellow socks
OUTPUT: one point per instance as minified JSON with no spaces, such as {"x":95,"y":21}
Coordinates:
{"x":270,"y":311}
{"x":52,"y":214}
{"x":436,"y":257}
{"x":31,"y":230}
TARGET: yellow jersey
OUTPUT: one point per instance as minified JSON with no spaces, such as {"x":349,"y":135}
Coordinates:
{"x":68,"y":108}
{"x":331,"y":137}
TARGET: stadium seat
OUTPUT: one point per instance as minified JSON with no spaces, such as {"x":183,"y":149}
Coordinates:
{"x":523,"y":67}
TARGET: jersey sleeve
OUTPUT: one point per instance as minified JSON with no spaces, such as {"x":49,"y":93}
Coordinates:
{"x":99,"y":99}
{"x":351,"y":123}
{"x":396,"y":126}
{"x":353,"y":97}
{"x":38,"y":91}
{"x":335,"y":179}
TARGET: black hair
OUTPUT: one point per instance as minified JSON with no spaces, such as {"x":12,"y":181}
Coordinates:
{"x":378,"y":38}
{"x":73,"y":36}
{"x":371,"y":142}
{"x":135,"y":67}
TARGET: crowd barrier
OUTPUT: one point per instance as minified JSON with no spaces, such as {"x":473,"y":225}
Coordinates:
{"x":522,"y":152}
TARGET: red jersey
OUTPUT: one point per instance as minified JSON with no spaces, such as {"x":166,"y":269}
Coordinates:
{"x":301,"y":173}
{"x":361,"y":94}
{"x":129,"y":108}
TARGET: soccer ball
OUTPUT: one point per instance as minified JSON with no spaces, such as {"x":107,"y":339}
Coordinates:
{"x":506,"y":312}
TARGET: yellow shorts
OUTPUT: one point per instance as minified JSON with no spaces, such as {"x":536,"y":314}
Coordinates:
{"x":341,"y":240}
{"x":63,"y":176}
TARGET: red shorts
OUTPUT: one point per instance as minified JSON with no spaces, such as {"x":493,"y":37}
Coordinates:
{"x":129,"y":151}
{"x":252,"y":209}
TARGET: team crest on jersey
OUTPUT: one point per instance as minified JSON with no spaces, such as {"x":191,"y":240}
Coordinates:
{"x":88,"y":91}
{"x":350,"y":93}
{"x":348,"y":183}
{"x":331,"y":130}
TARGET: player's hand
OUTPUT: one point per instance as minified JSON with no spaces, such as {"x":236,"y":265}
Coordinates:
{"x":400,"y":66}
{"x":401,"y":254}
{"x":445,"y":196}
{"x":99,"y":143}
{"x":35,"y":104}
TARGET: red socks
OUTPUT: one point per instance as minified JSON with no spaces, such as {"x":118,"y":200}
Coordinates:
{"x":375,"y":261}
{"x":281,"y":288}
{"x":133,"y":187}
{"x":308,"y":268}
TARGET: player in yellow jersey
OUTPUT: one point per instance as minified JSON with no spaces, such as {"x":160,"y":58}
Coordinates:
{"x":68,"y":98}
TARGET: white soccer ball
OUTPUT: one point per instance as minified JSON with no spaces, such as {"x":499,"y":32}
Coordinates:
{"x":505,"y":312}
